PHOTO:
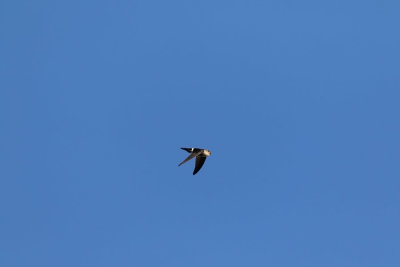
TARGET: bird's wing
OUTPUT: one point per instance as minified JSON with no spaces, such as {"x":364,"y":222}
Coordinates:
{"x":192,"y":155}
{"x":199,"y":163}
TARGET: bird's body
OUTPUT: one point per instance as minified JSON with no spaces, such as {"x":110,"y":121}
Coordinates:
{"x":199,"y":153}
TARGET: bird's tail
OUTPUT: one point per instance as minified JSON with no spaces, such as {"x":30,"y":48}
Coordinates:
{"x":189,"y":150}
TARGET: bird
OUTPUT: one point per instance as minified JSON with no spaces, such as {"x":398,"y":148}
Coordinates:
{"x":200,"y":154}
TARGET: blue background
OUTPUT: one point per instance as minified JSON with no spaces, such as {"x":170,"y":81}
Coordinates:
{"x":297,"y":100}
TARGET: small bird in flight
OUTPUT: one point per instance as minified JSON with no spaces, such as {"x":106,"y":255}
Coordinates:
{"x":200,"y":154}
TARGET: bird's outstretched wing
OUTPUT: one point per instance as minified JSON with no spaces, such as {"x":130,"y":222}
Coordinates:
{"x":192,"y":155}
{"x":199,"y":163}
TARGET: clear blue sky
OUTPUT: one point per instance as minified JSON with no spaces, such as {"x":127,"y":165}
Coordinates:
{"x":297,"y":100}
